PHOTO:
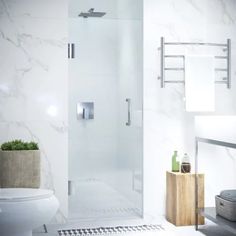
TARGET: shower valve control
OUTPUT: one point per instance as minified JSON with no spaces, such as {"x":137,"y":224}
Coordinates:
{"x":85,"y":110}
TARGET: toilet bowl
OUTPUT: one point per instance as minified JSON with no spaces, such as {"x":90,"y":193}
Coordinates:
{"x":24,"y":209}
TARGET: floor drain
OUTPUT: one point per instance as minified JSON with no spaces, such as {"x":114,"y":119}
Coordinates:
{"x":109,"y":230}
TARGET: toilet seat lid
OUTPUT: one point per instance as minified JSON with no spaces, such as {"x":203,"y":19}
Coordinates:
{"x":23,"y":194}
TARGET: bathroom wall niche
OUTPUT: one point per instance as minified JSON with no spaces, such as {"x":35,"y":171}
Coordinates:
{"x":106,"y":152}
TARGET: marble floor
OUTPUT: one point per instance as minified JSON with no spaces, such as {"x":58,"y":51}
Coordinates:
{"x":209,"y":229}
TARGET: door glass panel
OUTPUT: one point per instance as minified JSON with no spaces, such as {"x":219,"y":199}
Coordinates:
{"x":105,"y":110}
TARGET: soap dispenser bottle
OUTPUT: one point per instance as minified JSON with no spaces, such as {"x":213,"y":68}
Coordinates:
{"x":185,"y":165}
{"x":175,"y":162}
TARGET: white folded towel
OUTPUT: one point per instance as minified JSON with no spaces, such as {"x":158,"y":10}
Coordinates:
{"x":200,"y":83}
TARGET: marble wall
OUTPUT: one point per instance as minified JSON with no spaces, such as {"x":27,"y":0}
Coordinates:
{"x":33,"y":83}
{"x":167,"y":126}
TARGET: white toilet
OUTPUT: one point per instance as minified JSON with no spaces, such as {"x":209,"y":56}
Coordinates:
{"x":24,"y":209}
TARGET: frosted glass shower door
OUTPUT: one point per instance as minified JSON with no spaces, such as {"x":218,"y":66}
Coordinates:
{"x":105,"y":154}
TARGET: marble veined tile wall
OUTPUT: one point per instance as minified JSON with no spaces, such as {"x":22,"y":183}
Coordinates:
{"x":167,"y":126}
{"x":33,"y":83}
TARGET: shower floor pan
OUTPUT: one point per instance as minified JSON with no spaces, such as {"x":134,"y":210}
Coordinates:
{"x":95,"y":199}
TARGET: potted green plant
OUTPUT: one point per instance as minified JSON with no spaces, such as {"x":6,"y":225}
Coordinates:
{"x":19,"y":165}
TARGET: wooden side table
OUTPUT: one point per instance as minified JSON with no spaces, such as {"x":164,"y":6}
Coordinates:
{"x":180,"y":198}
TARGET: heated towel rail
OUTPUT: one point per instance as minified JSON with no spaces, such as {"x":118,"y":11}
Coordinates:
{"x":226,"y":47}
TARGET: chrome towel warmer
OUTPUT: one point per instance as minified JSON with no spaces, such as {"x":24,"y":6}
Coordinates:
{"x":226,"y":48}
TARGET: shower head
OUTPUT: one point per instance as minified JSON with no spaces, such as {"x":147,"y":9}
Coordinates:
{"x":92,"y":13}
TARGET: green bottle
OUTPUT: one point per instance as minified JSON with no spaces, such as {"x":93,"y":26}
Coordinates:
{"x":175,"y":162}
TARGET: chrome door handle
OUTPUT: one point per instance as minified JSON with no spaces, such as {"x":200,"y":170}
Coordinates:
{"x":128,"y":100}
